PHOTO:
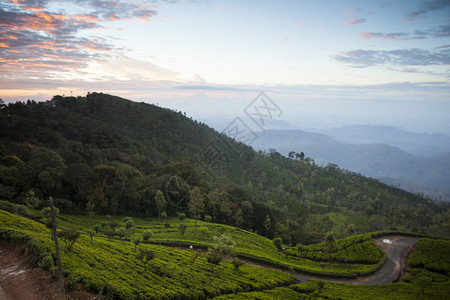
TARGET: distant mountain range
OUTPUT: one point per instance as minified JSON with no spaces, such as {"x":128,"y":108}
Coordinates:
{"x":421,"y":144}
{"x":414,"y":161}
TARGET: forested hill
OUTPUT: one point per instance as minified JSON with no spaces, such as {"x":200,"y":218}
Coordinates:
{"x":106,"y":155}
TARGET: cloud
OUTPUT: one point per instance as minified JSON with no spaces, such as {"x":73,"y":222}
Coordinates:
{"x":355,"y":21}
{"x":426,"y":7}
{"x":436,"y":32}
{"x":401,"y":57}
{"x":34,"y":38}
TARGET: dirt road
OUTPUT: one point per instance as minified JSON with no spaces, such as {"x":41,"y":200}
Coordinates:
{"x":394,"y":246}
{"x":391,"y":270}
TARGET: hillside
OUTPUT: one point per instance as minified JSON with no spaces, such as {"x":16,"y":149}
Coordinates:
{"x":377,"y":160}
{"x":112,"y":267}
{"x":102,"y":154}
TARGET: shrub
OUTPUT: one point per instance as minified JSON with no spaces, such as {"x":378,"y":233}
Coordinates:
{"x":278,"y":242}
{"x":148,"y":234}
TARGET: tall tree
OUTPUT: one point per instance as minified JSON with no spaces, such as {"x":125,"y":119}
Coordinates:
{"x":160,"y":202}
{"x":223,"y":248}
{"x":196,"y":203}
{"x":329,"y":244}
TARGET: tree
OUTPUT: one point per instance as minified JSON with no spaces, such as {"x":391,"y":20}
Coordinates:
{"x":69,"y":237}
{"x":223,"y":248}
{"x":351,"y":229}
{"x":129,"y":224}
{"x":182,"y":227}
{"x":236,"y":264}
{"x":267,"y":225}
{"x":196,"y":203}
{"x":181,"y":217}
{"x":238,"y":217}
{"x":213,"y":259}
{"x":31,"y":200}
{"x":45,"y":169}
{"x":160,"y":202}
{"x":121,"y":232}
{"x":47,"y":215}
{"x":145,"y":255}
{"x":369,"y":210}
{"x":329,"y":245}
{"x":136,"y":242}
{"x":148,"y":234}
{"x":278,"y":242}
{"x":91,"y":235}
{"x":78,"y":176}
{"x":203,"y":230}
{"x":215,"y":199}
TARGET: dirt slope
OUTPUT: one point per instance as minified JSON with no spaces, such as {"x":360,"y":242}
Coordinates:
{"x":20,"y":281}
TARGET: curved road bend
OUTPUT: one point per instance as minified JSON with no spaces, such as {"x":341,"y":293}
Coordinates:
{"x":389,"y":273}
{"x":391,"y":269}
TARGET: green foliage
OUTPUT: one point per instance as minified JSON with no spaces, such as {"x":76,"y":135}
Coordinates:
{"x":31,"y":200}
{"x":236,"y":263}
{"x":148,"y":234}
{"x":432,"y":254}
{"x":417,"y":273}
{"x":182,"y":227}
{"x":129,"y":224}
{"x":394,"y":291}
{"x":196,"y":203}
{"x":69,"y":237}
{"x":145,"y":255}
{"x":182,"y":217}
{"x":278,"y":293}
{"x":112,"y":156}
{"x":278,"y":242}
{"x":136,"y":241}
{"x":111,"y":267}
{"x":213,"y":259}
{"x":356,"y":249}
{"x":91,"y":235}
{"x":160,"y":202}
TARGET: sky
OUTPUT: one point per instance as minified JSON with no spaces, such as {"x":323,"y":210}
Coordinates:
{"x":324,"y":63}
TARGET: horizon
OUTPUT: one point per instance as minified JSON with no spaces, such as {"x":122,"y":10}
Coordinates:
{"x":324,"y":64}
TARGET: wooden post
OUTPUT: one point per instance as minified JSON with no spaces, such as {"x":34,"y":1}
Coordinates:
{"x":58,"y":257}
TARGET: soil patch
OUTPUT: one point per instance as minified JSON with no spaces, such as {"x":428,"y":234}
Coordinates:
{"x":20,"y":281}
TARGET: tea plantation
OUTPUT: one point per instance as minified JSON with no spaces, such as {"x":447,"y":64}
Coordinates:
{"x":109,"y":265}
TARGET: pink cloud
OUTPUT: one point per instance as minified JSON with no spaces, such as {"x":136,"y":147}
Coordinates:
{"x":355,"y":21}
{"x":368,"y":35}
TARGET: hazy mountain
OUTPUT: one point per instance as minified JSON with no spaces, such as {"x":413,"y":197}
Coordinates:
{"x":375,"y":160}
{"x":421,"y":144}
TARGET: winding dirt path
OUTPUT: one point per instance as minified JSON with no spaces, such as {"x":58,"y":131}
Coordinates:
{"x":395,"y":264}
{"x":396,"y":248}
